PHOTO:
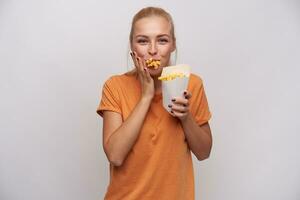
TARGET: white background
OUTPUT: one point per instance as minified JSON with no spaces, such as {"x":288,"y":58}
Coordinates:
{"x":55,"y":56}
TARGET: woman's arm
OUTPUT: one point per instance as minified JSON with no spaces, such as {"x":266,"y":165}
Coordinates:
{"x":199,"y":138}
{"x":119,"y":137}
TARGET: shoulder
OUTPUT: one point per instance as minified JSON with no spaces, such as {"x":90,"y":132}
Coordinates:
{"x":118,"y":80}
{"x":195,"y":81}
{"x":113,"y":79}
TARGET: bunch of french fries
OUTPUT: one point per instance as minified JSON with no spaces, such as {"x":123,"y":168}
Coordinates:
{"x":172,"y":76}
{"x":151,"y":63}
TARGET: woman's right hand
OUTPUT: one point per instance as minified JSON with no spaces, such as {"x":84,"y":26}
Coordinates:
{"x":147,"y":82}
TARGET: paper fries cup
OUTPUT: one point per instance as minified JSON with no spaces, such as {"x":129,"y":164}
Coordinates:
{"x":175,"y":80}
{"x":173,"y":88}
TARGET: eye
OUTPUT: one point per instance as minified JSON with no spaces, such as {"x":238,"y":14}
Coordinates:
{"x":142,"y":41}
{"x":163,"y":40}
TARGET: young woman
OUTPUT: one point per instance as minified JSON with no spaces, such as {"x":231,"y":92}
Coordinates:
{"x":149,"y":148}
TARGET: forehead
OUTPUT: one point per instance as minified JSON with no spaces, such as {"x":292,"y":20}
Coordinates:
{"x":152,"y":26}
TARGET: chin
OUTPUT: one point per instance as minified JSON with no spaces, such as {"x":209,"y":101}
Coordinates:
{"x":155,"y":72}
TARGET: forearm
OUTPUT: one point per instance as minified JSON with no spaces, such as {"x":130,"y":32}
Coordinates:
{"x":123,"y":139}
{"x":199,"y":138}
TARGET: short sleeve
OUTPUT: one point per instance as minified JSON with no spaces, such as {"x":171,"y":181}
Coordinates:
{"x":199,"y":105}
{"x":110,"y":99}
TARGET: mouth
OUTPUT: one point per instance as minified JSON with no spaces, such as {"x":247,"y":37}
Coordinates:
{"x":153,"y":63}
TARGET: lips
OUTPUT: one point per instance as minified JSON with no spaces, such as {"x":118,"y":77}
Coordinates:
{"x":153,"y":63}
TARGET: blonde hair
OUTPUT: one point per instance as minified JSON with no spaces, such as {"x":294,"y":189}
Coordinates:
{"x":150,"y":12}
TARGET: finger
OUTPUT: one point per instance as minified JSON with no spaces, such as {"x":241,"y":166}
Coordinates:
{"x":172,"y":113}
{"x":148,"y":76}
{"x":146,"y":71}
{"x":179,"y":108}
{"x":137,"y":60}
{"x":178,"y":114}
{"x":187,"y":94}
{"x":133,"y":59}
{"x":181,"y":101}
{"x":142,"y":68}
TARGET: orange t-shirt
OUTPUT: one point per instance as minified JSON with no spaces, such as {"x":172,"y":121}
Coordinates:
{"x":159,"y":165}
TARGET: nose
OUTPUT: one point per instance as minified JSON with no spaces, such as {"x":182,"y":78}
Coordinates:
{"x":152,"y":49}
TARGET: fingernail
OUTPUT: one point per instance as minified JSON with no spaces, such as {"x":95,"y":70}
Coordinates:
{"x":170,"y":106}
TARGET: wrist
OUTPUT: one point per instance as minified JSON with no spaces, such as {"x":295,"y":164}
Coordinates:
{"x":186,"y":118}
{"x":146,"y":99}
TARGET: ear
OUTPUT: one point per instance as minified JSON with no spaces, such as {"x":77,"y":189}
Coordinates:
{"x":174,"y":45}
{"x":130,"y":46}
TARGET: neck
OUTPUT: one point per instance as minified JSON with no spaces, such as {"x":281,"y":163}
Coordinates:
{"x":157,"y":85}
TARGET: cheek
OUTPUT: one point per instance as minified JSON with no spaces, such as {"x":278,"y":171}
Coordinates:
{"x":140,"y":50}
{"x":165,"y":51}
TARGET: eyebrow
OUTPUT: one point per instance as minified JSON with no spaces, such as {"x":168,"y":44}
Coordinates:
{"x":161,"y":35}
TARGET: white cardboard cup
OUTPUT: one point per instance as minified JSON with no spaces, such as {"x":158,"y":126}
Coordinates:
{"x":174,"y":88}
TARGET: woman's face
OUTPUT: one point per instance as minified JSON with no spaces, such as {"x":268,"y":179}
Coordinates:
{"x":152,"y":39}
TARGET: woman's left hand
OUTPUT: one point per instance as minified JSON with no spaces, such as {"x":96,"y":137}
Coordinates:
{"x":180,"y":106}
